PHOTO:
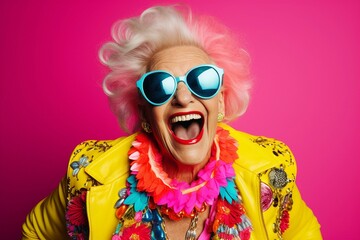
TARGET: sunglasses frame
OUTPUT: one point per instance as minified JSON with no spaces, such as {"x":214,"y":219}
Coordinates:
{"x":140,"y":82}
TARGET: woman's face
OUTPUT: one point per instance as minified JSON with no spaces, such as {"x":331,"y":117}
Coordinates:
{"x":186,"y":141}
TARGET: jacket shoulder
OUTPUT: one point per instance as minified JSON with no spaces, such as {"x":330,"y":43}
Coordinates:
{"x":271,"y":165}
{"x":259,"y":153}
{"x":87,"y":152}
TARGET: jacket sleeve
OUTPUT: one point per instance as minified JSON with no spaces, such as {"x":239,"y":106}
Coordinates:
{"x":288,"y":215}
{"x":47,"y":218}
{"x":303,"y":223}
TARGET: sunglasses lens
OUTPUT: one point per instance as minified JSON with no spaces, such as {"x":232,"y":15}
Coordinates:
{"x":158,"y":87}
{"x":204,"y":81}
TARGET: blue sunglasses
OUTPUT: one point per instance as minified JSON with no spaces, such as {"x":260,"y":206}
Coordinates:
{"x":159,"y":86}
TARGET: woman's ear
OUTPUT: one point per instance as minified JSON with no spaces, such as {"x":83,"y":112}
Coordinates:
{"x":144,"y":124}
{"x":221,"y":102}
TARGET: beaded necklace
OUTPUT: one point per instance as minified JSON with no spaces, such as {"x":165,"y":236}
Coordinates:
{"x":150,"y":194}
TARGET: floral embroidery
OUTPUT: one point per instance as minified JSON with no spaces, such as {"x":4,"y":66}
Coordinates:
{"x":76,"y":217}
{"x":136,"y":232}
{"x":276,"y":147}
{"x":77,"y":165}
{"x":245,"y":234}
{"x":78,"y":183}
{"x":279,"y":192}
{"x":284,"y":202}
{"x":284,"y":221}
{"x":99,"y":146}
{"x":230,"y":221}
{"x":229,"y":213}
{"x":226,"y":236}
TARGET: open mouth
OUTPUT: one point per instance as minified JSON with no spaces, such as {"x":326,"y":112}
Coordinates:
{"x":187,"y":128}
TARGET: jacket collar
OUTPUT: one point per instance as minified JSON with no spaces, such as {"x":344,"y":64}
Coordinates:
{"x":112,"y":164}
{"x":248,"y":150}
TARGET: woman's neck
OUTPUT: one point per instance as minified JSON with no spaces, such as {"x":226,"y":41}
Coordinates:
{"x":181,"y":172}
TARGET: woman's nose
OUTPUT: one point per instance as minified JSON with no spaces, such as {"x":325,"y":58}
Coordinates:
{"x":182,"y":96}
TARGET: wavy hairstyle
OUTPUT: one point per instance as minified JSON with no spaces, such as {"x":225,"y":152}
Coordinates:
{"x":136,"y":40}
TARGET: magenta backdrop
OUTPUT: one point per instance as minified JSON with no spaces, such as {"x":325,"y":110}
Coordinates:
{"x":305,"y":61}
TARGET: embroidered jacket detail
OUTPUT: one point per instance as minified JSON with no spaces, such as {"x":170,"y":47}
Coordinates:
{"x":78,"y":183}
{"x":277,"y":183}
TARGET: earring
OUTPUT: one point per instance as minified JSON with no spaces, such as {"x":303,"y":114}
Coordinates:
{"x":220,"y":117}
{"x":146,"y":126}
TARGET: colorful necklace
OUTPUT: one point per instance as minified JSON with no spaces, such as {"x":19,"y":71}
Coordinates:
{"x":150,"y":193}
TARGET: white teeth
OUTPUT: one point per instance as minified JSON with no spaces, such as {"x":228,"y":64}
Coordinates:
{"x":187,"y":117}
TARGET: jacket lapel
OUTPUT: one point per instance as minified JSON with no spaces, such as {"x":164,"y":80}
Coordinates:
{"x":111,"y":169}
{"x":113,"y":163}
{"x":248,"y":184}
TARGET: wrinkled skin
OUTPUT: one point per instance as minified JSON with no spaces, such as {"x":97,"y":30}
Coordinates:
{"x":183,"y":160}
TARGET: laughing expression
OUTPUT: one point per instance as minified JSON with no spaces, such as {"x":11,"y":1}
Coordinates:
{"x":185,"y":126}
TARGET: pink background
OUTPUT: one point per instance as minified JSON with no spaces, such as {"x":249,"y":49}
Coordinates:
{"x":305,"y":61}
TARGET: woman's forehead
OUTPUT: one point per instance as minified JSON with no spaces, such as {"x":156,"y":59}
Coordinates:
{"x":179,"y":59}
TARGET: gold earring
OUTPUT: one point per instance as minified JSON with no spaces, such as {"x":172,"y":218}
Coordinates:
{"x":220,"y":117}
{"x":146,"y":126}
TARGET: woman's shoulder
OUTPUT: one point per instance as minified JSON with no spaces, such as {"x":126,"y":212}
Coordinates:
{"x":260,"y":153}
{"x":88,"y":151}
{"x":95,"y":147}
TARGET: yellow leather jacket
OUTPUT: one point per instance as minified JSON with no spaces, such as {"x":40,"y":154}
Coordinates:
{"x":102,"y":168}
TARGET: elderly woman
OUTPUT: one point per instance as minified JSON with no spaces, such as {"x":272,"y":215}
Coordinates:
{"x":184,"y":174}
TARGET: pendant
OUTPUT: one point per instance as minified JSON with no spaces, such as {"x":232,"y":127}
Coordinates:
{"x":191,"y":232}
